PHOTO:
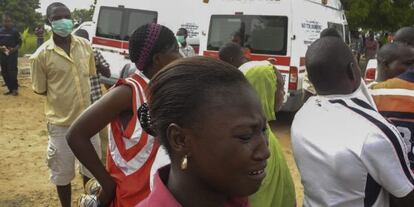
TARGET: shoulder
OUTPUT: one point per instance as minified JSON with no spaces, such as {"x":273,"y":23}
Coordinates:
{"x":305,"y":115}
{"x":391,"y":83}
{"x":82,"y":42}
{"x":42,"y":50}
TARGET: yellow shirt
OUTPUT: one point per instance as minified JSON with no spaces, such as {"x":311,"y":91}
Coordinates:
{"x":64,"y":79}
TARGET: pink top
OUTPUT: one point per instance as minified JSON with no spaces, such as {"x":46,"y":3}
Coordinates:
{"x":161,"y":196}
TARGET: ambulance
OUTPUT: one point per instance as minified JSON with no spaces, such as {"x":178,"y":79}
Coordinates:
{"x":276,"y":30}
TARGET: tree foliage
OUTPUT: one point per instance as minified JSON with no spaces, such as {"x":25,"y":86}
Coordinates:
{"x":83,"y":15}
{"x":379,"y":15}
{"x":23,"y":13}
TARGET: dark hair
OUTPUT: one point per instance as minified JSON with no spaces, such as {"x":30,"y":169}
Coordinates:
{"x":229,"y":51}
{"x":330,"y":32}
{"x":182,"y":88}
{"x":327,"y":61}
{"x":50,"y":8}
{"x":82,"y":33}
{"x":405,"y":35}
{"x":391,"y":52}
{"x":147,"y":41}
{"x":184,"y":30}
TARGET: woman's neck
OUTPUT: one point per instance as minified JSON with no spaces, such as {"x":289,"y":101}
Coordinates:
{"x":191,"y":191}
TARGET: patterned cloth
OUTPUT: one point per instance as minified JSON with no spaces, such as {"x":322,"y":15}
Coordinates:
{"x":99,"y":59}
{"x":96,"y":92}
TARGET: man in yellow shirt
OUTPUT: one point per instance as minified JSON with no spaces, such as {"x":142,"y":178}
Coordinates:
{"x":61,"y":68}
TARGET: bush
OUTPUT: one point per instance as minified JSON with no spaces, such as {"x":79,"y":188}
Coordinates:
{"x":29,"y":42}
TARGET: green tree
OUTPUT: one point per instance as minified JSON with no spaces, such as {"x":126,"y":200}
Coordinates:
{"x":23,"y":12}
{"x":83,"y":15}
{"x":379,"y":15}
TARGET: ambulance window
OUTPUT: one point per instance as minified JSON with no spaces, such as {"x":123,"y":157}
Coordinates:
{"x":120,"y":23}
{"x":137,"y":18}
{"x":261,"y":34}
{"x":109,"y":23}
{"x":224,"y":30}
{"x":266,"y":34}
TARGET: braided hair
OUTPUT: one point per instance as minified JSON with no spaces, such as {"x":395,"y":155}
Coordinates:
{"x":147,"y":41}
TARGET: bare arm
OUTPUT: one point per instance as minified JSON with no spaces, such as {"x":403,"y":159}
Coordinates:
{"x":90,"y":123}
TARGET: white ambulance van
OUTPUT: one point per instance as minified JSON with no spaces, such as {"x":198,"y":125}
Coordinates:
{"x":280,"y":30}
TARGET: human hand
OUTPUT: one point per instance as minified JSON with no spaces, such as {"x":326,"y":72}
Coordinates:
{"x":12,"y":50}
{"x":107,"y":193}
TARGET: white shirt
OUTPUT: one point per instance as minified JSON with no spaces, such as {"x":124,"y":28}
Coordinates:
{"x":187,"y":51}
{"x":348,"y":154}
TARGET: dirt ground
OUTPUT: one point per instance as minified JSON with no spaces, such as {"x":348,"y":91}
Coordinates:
{"x":23,"y":141}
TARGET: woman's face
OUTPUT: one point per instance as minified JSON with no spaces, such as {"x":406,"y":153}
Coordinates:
{"x":229,"y":146}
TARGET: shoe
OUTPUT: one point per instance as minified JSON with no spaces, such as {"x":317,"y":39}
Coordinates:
{"x":88,"y":201}
{"x":8,"y":93}
{"x":14,"y":93}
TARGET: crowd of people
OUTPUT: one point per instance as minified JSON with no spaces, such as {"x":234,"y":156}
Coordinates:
{"x":194,"y":131}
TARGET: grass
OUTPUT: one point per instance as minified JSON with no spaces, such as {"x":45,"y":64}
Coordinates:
{"x":29,"y":42}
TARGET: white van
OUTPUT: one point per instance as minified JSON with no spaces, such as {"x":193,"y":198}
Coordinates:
{"x":270,"y":29}
{"x":274,"y":29}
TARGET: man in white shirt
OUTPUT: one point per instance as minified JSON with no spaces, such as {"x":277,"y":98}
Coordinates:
{"x":186,"y":49}
{"x":346,"y":152}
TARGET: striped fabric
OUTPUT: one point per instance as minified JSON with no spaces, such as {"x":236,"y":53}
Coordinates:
{"x":395,"y":101}
{"x":131,"y":151}
{"x":360,"y":156}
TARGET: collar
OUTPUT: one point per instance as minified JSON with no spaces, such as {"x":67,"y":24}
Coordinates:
{"x":161,"y":195}
{"x":408,"y":75}
{"x":361,"y":92}
{"x":342,"y":96}
{"x":51,"y":43}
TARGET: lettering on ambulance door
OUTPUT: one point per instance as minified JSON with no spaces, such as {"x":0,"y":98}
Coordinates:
{"x":311,"y":30}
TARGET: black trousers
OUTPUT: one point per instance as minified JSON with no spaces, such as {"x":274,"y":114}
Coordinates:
{"x":9,"y":70}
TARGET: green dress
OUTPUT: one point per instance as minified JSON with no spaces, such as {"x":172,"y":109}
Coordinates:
{"x":277,"y":188}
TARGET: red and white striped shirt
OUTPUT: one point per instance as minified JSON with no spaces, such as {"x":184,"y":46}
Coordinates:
{"x":131,"y":151}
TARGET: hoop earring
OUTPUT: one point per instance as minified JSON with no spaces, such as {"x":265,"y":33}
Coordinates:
{"x":184,"y":163}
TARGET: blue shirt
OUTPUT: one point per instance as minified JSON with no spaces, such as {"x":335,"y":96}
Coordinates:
{"x":10,"y":38}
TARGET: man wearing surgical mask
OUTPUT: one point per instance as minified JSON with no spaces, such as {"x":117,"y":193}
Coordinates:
{"x":61,"y":68}
{"x":186,"y":50}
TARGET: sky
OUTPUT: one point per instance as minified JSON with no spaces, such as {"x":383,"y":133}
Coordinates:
{"x":72,"y":4}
